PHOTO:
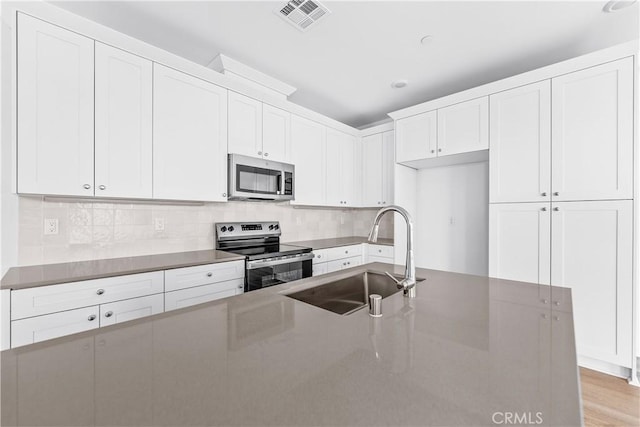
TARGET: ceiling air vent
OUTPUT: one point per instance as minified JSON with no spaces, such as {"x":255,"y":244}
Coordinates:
{"x":303,"y":14}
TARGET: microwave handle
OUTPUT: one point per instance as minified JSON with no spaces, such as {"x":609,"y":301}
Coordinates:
{"x":280,"y":182}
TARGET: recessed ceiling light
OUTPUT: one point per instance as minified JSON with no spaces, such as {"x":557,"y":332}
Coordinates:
{"x":616,"y":5}
{"x":399,"y":84}
{"x":426,"y":39}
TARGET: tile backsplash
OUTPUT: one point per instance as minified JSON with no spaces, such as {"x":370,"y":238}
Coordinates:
{"x":93,"y":230}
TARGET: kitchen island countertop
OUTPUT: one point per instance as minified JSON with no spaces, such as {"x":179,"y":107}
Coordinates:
{"x":468,"y":350}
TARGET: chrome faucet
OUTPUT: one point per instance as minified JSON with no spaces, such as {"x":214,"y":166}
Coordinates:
{"x":408,"y":284}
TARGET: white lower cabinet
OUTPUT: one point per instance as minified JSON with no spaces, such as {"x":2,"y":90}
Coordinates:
{"x":47,"y":312}
{"x":341,"y":264}
{"x":122,"y":311}
{"x":320,"y":268}
{"x":40,"y":328}
{"x":586,"y":246}
{"x":201,"y":294}
{"x":338,"y":258}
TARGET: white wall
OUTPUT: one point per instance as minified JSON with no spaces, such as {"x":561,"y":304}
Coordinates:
{"x":452,"y":217}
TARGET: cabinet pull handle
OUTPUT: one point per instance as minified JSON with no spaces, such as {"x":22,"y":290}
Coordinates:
{"x":543,"y":209}
{"x":100,"y":291}
{"x":346,"y":252}
{"x":556,"y":303}
{"x":224,"y":194}
{"x":209,"y":274}
{"x":103,"y":187}
{"x":379,"y":250}
{"x":556,"y":193}
{"x":433,"y":151}
{"x":556,"y":209}
{"x":108,"y":314}
{"x":266,"y":154}
{"x":91,"y":318}
{"x":543,"y":194}
{"x":259,"y":153}
{"x":439,"y":150}
{"x":240,"y":286}
{"x":86,"y":186}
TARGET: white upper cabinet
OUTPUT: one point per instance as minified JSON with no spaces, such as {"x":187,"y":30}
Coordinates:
{"x":55,"y":109}
{"x":372,"y":170}
{"x":377,"y":169}
{"x":464,"y":127}
{"x":592,"y":147}
{"x":276,"y":134}
{"x":245,"y":125}
{"x":123,"y":124}
{"x":340,"y":168}
{"x":520,"y":129}
{"x":308,"y":142}
{"x":416,"y":137}
{"x":592,"y":254}
{"x":519,"y":242}
{"x":190,"y":137}
{"x":388,"y":167}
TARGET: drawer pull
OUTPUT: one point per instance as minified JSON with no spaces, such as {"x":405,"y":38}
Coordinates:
{"x":108,"y":314}
{"x":91,"y":318}
{"x":209,"y":274}
{"x":100,"y":291}
{"x":346,"y":252}
{"x":379,"y":251}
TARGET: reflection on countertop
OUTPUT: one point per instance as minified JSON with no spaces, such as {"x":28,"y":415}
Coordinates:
{"x":467,"y":348}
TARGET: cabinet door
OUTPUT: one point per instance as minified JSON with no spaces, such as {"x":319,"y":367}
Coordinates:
{"x":416,"y":137}
{"x":276,"y":134}
{"x":388,"y":167}
{"x":372,"y":170}
{"x":593,"y":133}
{"x":592,"y":254}
{"x":188,"y":277}
{"x":519,"y":242}
{"x":339,"y":168}
{"x":55,"y":110}
{"x":464,"y":127}
{"x":245,"y":125}
{"x":189,"y":137}
{"x":41,"y":328}
{"x":308,"y":142}
{"x":123,"y":144}
{"x":130,"y":309}
{"x":520,"y":157}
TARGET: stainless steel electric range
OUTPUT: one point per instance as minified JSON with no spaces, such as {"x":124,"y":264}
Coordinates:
{"x":268,"y":262}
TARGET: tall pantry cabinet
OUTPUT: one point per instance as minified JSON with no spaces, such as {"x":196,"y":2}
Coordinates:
{"x":561,"y":194}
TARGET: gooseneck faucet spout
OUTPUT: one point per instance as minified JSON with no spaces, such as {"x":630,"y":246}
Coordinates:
{"x":408,"y":284}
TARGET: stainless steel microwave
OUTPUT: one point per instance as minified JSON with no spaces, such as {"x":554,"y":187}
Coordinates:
{"x":259,"y":179}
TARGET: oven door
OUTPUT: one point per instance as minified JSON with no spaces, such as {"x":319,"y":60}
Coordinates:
{"x":251,"y":178}
{"x":271,"y":272}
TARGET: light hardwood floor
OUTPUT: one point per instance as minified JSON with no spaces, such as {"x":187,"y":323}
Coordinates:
{"x":609,"y":401}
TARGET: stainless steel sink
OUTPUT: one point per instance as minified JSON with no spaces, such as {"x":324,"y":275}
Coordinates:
{"x":344,"y":296}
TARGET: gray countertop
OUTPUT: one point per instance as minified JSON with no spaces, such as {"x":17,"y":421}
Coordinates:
{"x":338,"y":241}
{"x":50,"y":274}
{"x":466,"y":351}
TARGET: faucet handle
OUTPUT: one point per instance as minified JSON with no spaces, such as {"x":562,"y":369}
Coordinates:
{"x":393,"y":278}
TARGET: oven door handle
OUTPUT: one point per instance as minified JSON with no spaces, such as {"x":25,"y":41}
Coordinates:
{"x":251,"y":265}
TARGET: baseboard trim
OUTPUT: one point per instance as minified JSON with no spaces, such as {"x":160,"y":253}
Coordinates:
{"x":605,"y":367}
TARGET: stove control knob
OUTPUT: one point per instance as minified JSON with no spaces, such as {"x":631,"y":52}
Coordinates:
{"x":223,"y":228}
{"x":231,"y":228}
{"x":271,"y":227}
{"x":276,"y":226}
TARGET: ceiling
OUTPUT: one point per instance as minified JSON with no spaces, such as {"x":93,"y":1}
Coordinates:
{"x":343,"y":66}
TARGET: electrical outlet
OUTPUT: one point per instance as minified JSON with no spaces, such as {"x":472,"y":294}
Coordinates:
{"x":50,"y":226}
{"x":158,"y":224}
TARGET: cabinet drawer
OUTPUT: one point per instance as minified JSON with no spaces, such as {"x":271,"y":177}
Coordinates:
{"x":50,"y":299}
{"x":200,"y":294}
{"x":341,"y":264}
{"x":320,"y":255}
{"x":319,"y":268}
{"x":35,"y":329}
{"x":131,"y":309}
{"x":380,"y":251}
{"x":344,"y":252}
{"x":182,"y":278}
{"x":373,"y":258}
